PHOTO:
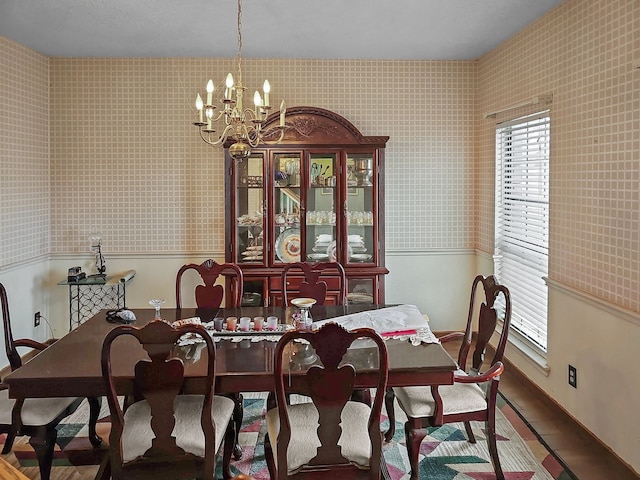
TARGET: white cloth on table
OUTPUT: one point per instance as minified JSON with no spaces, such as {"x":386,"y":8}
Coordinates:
{"x":401,"y":321}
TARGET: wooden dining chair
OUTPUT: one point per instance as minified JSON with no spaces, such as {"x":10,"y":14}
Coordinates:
{"x":473,"y":395}
{"x":330,"y":435}
{"x":211,"y":295}
{"x":36,"y":418}
{"x":302,"y":279}
{"x":166,"y":434}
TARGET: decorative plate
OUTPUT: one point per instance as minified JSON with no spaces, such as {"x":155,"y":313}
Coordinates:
{"x":361,"y":257}
{"x":288,"y":245}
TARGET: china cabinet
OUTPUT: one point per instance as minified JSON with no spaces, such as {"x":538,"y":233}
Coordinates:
{"x":318,"y":195}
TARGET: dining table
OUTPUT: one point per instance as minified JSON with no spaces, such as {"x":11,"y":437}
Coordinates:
{"x":71,"y":367}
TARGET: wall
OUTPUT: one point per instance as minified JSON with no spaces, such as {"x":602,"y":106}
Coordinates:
{"x":583,"y":53}
{"x":24,"y":186}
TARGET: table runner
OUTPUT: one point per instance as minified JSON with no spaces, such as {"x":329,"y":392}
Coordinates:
{"x":403,"y":322}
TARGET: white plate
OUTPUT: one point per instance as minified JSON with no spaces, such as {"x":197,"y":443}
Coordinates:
{"x":317,"y":256}
{"x":288,"y":245}
{"x":361,"y":257}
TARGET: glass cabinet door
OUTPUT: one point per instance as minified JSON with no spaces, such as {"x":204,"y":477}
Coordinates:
{"x":250,"y":213}
{"x":286,"y":207}
{"x":322,"y":193}
{"x":361,"y":208}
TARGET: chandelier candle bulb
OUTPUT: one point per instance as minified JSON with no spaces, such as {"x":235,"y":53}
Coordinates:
{"x":257,"y":101}
{"x":229,"y":85}
{"x":282,"y":112}
{"x":199,"y":106}
{"x":210,"y":92}
{"x":266,"y":88}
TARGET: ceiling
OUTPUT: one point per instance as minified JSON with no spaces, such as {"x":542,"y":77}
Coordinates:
{"x":329,"y":29}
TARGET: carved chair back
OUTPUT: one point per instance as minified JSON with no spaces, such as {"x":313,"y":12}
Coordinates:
{"x":314,"y":283}
{"x":211,"y":295}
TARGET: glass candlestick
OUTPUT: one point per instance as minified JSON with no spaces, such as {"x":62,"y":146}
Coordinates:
{"x":304,"y":306}
{"x":157,"y":303}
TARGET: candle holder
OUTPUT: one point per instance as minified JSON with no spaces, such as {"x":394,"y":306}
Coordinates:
{"x":303,"y":322}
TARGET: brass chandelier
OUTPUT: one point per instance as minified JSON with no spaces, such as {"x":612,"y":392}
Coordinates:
{"x":241,"y":125}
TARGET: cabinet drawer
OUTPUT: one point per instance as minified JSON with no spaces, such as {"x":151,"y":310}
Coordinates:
{"x":275,"y":283}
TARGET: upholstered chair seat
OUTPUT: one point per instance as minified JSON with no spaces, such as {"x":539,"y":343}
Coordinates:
{"x":137,"y":433}
{"x":304,"y":443}
{"x":456,"y":398}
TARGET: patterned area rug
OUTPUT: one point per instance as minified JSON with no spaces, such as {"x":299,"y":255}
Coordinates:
{"x":445,"y":452}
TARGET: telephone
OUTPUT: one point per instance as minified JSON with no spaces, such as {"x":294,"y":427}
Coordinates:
{"x":75,"y":274}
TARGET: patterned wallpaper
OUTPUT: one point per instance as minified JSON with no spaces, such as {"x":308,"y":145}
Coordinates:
{"x":584,"y":54}
{"x":24,"y":153}
{"x":126,"y":161}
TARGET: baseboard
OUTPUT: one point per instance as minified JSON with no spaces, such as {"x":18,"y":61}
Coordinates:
{"x":559,"y":411}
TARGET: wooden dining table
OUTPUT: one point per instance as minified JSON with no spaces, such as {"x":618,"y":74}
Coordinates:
{"x":71,"y":367}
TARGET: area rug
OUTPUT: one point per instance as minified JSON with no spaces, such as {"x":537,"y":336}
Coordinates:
{"x":445,"y":453}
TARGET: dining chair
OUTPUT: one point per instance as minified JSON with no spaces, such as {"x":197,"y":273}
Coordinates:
{"x":211,"y":295}
{"x":313,"y":283}
{"x":472,"y":397}
{"x":330,"y":434}
{"x":36,"y":418}
{"x":163,"y":433}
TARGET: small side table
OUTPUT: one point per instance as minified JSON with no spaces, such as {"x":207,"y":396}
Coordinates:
{"x":92,"y":294}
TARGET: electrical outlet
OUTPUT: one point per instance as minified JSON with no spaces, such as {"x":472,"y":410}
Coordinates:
{"x":36,"y":319}
{"x":573,"y":376}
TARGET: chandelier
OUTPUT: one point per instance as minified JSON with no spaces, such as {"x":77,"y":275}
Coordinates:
{"x":241,"y":125}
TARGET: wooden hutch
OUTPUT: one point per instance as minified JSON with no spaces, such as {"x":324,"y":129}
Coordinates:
{"x":318,"y":195}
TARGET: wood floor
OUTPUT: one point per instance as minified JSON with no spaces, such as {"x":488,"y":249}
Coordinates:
{"x":578,"y":450}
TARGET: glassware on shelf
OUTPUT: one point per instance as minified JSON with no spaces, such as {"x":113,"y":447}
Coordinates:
{"x":157,"y":303}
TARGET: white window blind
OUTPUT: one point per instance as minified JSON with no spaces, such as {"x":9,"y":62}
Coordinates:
{"x":522,"y":221}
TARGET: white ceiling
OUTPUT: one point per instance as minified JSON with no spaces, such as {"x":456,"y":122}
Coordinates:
{"x":337,"y":29}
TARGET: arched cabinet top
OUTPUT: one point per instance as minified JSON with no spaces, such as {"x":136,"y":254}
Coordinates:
{"x":317,"y":126}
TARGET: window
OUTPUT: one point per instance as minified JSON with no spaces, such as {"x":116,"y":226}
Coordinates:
{"x":522,"y":221}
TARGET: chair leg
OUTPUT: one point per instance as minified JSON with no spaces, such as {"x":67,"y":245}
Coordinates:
{"x":43,"y":446}
{"x":94,"y":412}
{"x":414,"y":436}
{"x":238,"y":414}
{"x":470,"y":436}
{"x":268,"y":455}
{"x":389,"y":398}
{"x":493,"y":447}
{"x":8,"y":443}
{"x":229,"y":445}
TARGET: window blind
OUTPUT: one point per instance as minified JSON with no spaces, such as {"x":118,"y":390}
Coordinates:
{"x":522,"y":221}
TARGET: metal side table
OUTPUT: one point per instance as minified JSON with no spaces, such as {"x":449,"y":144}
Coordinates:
{"x":92,"y":294}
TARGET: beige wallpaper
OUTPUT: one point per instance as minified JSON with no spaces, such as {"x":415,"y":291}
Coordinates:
{"x":584,"y":54}
{"x":24,"y":154}
{"x":127,"y":162}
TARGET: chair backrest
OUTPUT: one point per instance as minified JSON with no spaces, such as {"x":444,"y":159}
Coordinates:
{"x":12,"y":353}
{"x":329,"y":379}
{"x":482,"y":321}
{"x":211,"y":295}
{"x":11,"y":345}
{"x":159,"y":380}
{"x":313,"y":286}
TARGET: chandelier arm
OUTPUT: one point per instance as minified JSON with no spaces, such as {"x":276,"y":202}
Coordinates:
{"x":220,"y":140}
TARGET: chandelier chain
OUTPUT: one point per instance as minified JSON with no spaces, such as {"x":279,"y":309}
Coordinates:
{"x":240,"y":42}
